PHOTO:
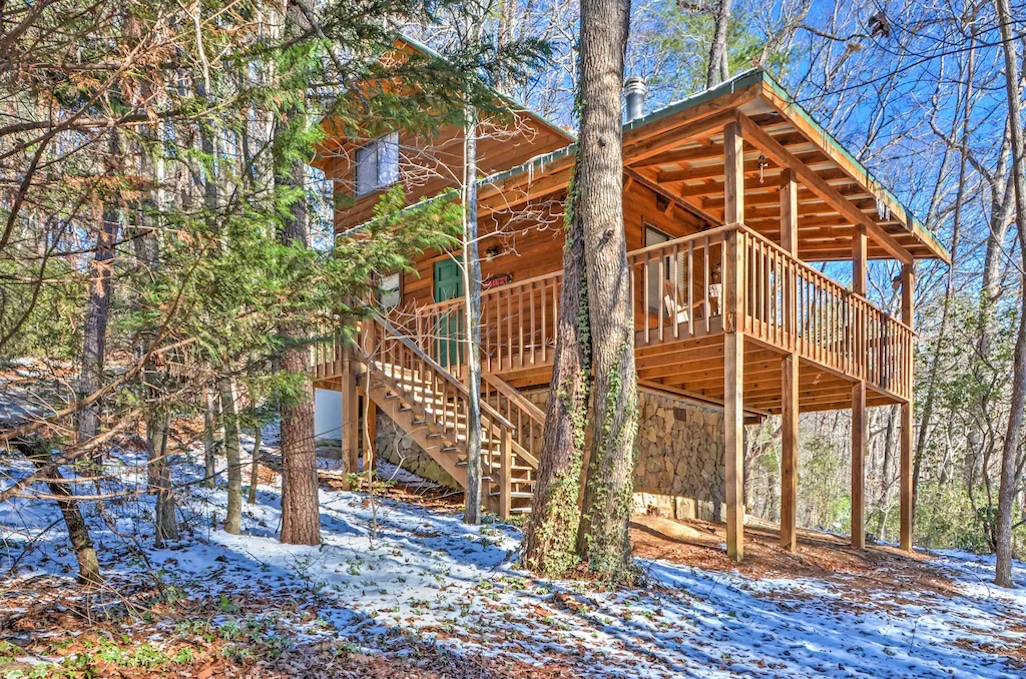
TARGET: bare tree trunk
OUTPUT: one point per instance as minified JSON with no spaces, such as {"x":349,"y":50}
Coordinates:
{"x":165,"y":525}
{"x":933,"y":379}
{"x":550,"y":540}
{"x":78,"y":533}
{"x":1007,"y":492}
{"x":147,"y":252}
{"x":209,"y":438}
{"x":254,"y":468}
{"x":232,"y":451}
{"x":300,"y":506}
{"x":94,"y":329}
{"x":719,"y":68}
{"x":602,"y":540}
{"x":472,"y":288}
{"x":887,"y":471}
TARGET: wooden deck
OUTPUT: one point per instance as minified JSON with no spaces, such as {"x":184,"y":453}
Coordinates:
{"x":839,"y":337}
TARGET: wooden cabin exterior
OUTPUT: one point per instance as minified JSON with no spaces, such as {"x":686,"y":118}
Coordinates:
{"x":730,"y":197}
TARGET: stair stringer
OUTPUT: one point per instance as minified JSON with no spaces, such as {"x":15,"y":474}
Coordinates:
{"x":440,"y":442}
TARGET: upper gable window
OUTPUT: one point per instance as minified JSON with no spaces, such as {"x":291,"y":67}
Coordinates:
{"x":377,"y":164}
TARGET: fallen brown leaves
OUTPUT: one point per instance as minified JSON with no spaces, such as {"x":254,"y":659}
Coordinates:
{"x":108,"y":632}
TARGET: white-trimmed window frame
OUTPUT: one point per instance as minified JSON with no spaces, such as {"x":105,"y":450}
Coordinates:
{"x":390,"y":290}
{"x":376,"y":165}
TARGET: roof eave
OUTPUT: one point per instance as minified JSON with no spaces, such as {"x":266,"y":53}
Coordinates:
{"x":783,"y":101}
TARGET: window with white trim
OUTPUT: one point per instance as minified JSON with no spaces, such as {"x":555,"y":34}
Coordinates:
{"x":377,"y":164}
{"x":390,"y":292}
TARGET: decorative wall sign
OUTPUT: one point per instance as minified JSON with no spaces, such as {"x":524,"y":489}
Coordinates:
{"x":495,"y":280}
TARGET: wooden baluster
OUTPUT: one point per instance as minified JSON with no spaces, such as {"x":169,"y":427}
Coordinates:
{"x":645,"y":291}
{"x":675,"y":274}
{"x":763,"y":287}
{"x":707,"y":276}
{"x":661,"y":264}
{"x":743,"y":274}
{"x":767,"y":259}
{"x":509,"y":329}
{"x":691,"y":287}
{"x":505,"y":494}
{"x":544,"y":321}
{"x":520,"y":323}
{"x":534,"y":328}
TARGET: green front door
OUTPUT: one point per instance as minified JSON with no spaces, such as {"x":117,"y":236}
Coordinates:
{"x":448,"y":327}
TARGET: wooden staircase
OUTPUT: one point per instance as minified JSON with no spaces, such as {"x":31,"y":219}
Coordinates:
{"x":430,"y":405}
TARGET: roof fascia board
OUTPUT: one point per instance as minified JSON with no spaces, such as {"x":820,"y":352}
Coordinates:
{"x":778,"y":97}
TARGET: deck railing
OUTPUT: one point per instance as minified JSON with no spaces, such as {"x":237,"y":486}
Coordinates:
{"x":790,"y":305}
{"x":677,"y":293}
{"x":676,"y":287}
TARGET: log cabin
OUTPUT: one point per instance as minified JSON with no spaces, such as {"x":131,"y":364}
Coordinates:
{"x":733,"y":200}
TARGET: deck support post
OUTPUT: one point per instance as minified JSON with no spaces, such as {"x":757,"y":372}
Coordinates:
{"x":907,"y":499}
{"x":350,"y":414}
{"x":859,"y":256}
{"x":789,"y":370}
{"x":734,"y":429}
{"x":734,"y":341}
{"x":858,"y":465}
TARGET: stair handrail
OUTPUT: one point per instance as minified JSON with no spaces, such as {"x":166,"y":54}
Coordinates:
{"x":533,"y":412}
{"x":486,"y":409}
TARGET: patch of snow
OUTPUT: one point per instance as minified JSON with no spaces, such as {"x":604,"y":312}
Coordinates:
{"x":391,"y":566}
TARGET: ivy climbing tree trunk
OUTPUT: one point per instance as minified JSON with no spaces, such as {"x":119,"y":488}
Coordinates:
{"x":550,"y":540}
{"x":602,"y":539}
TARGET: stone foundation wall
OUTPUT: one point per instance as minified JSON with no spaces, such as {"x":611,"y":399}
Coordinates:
{"x":680,"y":464}
{"x":394,"y":445}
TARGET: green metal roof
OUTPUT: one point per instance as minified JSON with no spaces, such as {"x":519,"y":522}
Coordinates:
{"x":509,"y":101}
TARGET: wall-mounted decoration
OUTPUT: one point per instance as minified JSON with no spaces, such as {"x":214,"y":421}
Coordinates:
{"x":495,"y":280}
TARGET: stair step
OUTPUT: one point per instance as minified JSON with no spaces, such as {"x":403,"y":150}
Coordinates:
{"x":516,"y":494}
{"x":520,"y":510}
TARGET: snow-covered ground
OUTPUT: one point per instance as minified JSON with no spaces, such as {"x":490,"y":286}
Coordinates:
{"x":387,"y":567}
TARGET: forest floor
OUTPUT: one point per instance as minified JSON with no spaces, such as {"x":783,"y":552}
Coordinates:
{"x":401,"y":588}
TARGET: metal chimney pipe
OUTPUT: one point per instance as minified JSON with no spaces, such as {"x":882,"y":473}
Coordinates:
{"x":635,"y":90}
